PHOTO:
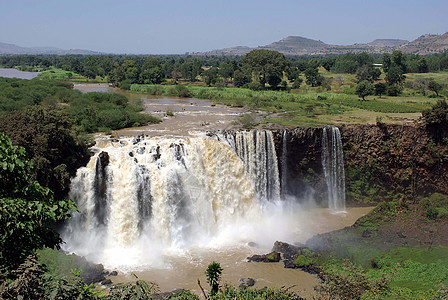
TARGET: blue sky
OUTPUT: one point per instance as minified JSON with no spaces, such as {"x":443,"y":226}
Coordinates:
{"x":176,"y":27}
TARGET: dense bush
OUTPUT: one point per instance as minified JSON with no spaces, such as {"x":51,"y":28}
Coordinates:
{"x":27,"y":209}
{"x":438,"y":115}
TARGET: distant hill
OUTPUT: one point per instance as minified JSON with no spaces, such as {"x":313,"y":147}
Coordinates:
{"x":427,"y":44}
{"x":387,"y":43}
{"x":12,"y":49}
{"x":297,"y":45}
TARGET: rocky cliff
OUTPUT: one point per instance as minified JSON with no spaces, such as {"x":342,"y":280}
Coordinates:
{"x":381,"y":162}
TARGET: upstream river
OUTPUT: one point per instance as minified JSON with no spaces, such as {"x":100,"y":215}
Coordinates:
{"x":13,"y":73}
{"x":181,"y":116}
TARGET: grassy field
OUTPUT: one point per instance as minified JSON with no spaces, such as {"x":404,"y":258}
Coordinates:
{"x":59,"y":74}
{"x":309,"y":106}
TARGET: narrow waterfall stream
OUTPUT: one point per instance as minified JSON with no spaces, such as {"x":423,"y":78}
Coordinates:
{"x":333,"y":167}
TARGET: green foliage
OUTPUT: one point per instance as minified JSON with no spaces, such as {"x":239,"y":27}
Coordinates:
{"x":97,"y":110}
{"x":138,"y":290}
{"x":266,"y":66}
{"x":313,"y":77}
{"x":304,"y":261}
{"x":363,"y":89}
{"x":380,"y":88}
{"x":434,"y":206}
{"x":438,"y":115}
{"x":47,"y":135}
{"x":32,"y":281}
{"x":213,"y":273}
{"x":230,"y":292}
{"x":395,"y":76}
{"x":248,"y":120}
{"x":27,"y":210}
{"x":393,"y":90}
{"x":345,"y":280}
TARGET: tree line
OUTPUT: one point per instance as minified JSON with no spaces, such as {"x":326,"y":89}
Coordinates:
{"x":123,"y":70}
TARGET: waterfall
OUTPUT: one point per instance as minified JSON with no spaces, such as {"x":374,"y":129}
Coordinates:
{"x":284,"y":162}
{"x":168,"y":192}
{"x":257,"y":151}
{"x":333,"y":167}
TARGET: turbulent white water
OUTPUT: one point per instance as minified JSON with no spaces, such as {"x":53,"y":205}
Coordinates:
{"x":333,"y":167}
{"x":144,"y":198}
{"x":159,"y":194}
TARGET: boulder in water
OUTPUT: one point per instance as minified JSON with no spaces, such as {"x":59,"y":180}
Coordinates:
{"x":246,"y":282}
{"x":270,"y":257}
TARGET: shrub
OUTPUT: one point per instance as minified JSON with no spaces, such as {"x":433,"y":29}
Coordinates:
{"x":393,"y":90}
{"x":255,"y":86}
{"x":213,"y":274}
{"x":437,"y":115}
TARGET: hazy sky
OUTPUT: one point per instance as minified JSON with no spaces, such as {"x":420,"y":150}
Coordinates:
{"x":174,"y":26}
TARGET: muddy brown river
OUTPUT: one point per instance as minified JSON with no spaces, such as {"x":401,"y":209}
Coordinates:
{"x":182,"y":269}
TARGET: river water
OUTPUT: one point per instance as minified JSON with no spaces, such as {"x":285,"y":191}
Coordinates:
{"x":181,"y":116}
{"x":182,"y":269}
{"x":13,"y":73}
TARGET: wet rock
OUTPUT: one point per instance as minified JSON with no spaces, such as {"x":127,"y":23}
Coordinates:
{"x":104,"y":158}
{"x":246,"y":282}
{"x":106,"y":282}
{"x":270,"y":257}
{"x":289,"y":251}
{"x":91,"y":273}
{"x":113,"y":273}
{"x":252,"y":244}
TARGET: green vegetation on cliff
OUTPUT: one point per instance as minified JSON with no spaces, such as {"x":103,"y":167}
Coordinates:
{"x":396,"y":251}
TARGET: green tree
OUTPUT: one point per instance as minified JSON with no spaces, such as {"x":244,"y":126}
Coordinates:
{"x":387,"y":62}
{"x":313,"y":77}
{"x":225,"y":71}
{"x":48,"y":136}
{"x":240,"y":79}
{"x":213,"y":274}
{"x":380,"y":88}
{"x":395,"y":76}
{"x":363,"y":89}
{"x":265,"y":65}
{"x":422,"y":66}
{"x":367,"y":72}
{"x":297,"y":83}
{"x":152,"y":76}
{"x":435,"y":87}
{"x":210,"y":76}
{"x":27,"y":210}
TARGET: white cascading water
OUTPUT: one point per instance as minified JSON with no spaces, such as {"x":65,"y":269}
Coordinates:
{"x":256,"y":149}
{"x":142,"y":196}
{"x":284,"y":163}
{"x":333,"y":167}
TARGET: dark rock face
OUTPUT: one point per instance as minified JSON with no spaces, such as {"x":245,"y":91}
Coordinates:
{"x":270,"y":257}
{"x":407,"y":159}
{"x":411,"y":160}
{"x":303,"y":170}
{"x":246,"y":282}
{"x":91,"y":273}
